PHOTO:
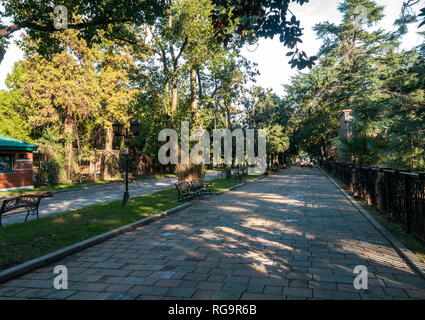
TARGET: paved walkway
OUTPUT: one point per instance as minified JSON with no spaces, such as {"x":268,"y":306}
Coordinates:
{"x":72,"y":200}
{"x":288,"y":236}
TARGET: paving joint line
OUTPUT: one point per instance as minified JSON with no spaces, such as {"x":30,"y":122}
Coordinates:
{"x":405,"y":253}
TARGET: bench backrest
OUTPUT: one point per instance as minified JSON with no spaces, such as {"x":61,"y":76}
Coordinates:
{"x":29,"y":202}
{"x":183,"y":185}
{"x":197,"y":183}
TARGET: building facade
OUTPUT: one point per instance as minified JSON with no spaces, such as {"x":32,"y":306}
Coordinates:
{"x":16,"y":164}
{"x":344,"y":129}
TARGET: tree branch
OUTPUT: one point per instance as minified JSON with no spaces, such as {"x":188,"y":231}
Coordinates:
{"x":186,"y":39}
{"x":137,"y":44}
{"x":4,"y":32}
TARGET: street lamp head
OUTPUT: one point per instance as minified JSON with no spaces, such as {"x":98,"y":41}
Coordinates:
{"x":135,"y":127}
{"x":117,"y":128}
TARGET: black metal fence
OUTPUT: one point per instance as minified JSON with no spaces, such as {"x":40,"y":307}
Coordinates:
{"x":399,"y":195}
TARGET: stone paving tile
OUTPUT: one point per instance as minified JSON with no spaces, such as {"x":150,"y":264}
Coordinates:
{"x":234,"y":287}
{"x":172,"y":283}
{"x":397,"y":293}
{"x":202,"y":294}
{"x":298,"y":283}
{"x":30,"y":293}
{"x":10,"y":291}
{"x":59,"y":294}
{"x":298,"y":292}
{"x":119,"y":288}
{"x":181,"y":292}
{"x":335,"y":295}
{"x":18,"y":282}
{"x":43,"y":284}
{"x":287,"y":236}
{"x":416,"y":294}
{"x":273,"y":290}
{"x":88,"y":286}
{"x":148,"y":297}
{"x":209,"y":285}
{"x":149,"y":290}
{"x":255,"y":296}
{"x":333,"y":278}
{"x":90,"y":295}
{"x":269,"y":281}
{"x":38,"y":276}
{"x":226,"y":295}
{"x":375,"y":297}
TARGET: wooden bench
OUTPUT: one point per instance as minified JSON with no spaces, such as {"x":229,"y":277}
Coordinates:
{"x":201,"y":187}
{"x":275,"y":169}
{"x":131,"y":178}
{"x":221,"y":173}
{"x":28,"y":203}
{"x":188,"y":190}
{"x":185,"y":191}
{"x":241,"y":174}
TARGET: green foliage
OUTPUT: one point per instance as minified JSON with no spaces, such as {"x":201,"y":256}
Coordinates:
{"x":13,"y":120}
{"x":267,"y":18}
{"x":164,"y":62}
{"x":368,"y":148}
{"x":408,"y":15}
{"x":265,"y":110}
{"x":88,"y":16}
{"x":364,"y":71}
{"x":233,"y":22}
{"x":277,"y":141}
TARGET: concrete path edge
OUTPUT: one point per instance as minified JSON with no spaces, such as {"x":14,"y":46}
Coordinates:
{"x":411,"y":259}
{"x":25,"y":267}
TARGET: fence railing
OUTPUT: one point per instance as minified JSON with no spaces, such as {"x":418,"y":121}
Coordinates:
{"x":399,"y":195}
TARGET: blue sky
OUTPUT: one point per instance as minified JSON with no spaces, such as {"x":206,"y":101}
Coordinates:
{"x":270,"y":54}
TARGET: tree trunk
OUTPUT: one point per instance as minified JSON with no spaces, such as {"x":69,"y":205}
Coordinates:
{"x":167,"y":102}
{"x":69,"y":152}
{"x":174,"y":94}
{"x":322,"y":151}
{"x":188,"y":172}
{"x":198,"y":75}
{"x":193,"y":93}
{"x":194,"y":98}
{"x":2,"y":53}
{"x":107,"y":161}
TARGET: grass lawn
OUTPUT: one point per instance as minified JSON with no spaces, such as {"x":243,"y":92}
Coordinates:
{"x":67,"y":186}
{"x":25,"y":241}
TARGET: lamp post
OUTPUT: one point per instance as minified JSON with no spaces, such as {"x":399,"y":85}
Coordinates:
{"x":135,"y":129}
